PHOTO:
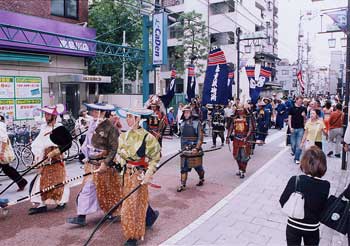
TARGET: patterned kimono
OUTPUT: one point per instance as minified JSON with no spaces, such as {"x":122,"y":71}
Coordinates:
{"x":50,"y":174}
{"x":139,"y":152}
{"x":101,"y":190}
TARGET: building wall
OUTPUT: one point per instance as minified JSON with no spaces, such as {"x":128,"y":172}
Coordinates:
{"x":59,"y":65}
{"x":334,"y":71}
{"x":42,"y":8}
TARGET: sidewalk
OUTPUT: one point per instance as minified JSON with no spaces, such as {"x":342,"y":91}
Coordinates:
{"x":251,"y":213}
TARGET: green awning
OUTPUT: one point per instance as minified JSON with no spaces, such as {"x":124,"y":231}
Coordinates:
{"x":23,"y":57}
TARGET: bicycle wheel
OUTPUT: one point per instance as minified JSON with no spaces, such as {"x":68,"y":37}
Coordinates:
{"x":73,"y":152}
{"x":26,"y":157}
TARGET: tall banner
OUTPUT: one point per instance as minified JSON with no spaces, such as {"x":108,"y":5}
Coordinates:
{"x":256,"y":83}
{"x":166,"y":99}
{"x":301,"y":81}
{"x":230,"y":82}
{"x":215,"y":83}
{"x":339,"y":18}
{"x":191,"y":83}
{"x":160,"y":37}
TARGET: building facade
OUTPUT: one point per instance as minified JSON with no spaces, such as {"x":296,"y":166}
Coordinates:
{"x":222,"y":17}
{"x":336,"y":72}
{"x":44,"y":49}
{"x":286,"y":77}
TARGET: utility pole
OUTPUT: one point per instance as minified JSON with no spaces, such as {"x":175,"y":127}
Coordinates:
{"x":123,"y":68}
{"x":347,"y":84}
{"x":238,"y":34}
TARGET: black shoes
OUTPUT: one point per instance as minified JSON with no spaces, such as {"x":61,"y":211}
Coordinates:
{"x":201,"y":182}
{"x":60,"y":206}
{"x":79,"y":220}
{"x":22,"y":184}
{"x":150,"y":222}
{"x":131,"y":242}
{"x":181,"y":188}
{"x":37,"y":210}
{"x":337,"y":155}
{"x":330,"y":153}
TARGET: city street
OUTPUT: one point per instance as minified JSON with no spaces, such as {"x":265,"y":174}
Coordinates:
{"x":177,"y":210}
{"x":225,"y":211}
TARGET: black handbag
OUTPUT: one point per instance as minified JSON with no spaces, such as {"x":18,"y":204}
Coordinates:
{"x":336,"y":214}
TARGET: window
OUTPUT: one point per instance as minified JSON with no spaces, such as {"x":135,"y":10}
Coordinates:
{"x":65,"y":8}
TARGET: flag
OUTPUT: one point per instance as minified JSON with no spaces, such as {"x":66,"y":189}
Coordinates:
{"x":215,"y":82}
{"x":191,"y":83}
{"x":256,"y":84}
{"x":166,"y":99}
{"x":339,"y":18}
{"x":301,"y":81}
{"x":230,"y":82}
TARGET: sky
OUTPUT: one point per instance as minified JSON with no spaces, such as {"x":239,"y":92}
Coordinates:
{"x":289,"y":13}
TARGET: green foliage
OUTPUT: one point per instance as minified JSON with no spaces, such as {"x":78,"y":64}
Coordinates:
{"x":194,"y":41}
{"x":110,"y":18}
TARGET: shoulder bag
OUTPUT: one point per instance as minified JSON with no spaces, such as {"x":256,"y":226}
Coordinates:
{"x":336,"y":214}
{"x":294,"y":207}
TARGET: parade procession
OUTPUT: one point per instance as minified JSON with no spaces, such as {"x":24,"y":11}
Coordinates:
{"x":174,"y":122}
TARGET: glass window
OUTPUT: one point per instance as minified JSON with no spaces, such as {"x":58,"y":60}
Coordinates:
{"x":57,"y":7}
{"x":65,"y":8}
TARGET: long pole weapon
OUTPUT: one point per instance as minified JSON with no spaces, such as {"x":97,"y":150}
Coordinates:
{"x":5,"y":204}
{"x":39,"y":163}
{"x":99,"y":224}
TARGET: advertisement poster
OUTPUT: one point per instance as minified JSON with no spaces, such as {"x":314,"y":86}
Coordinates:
{"x":28,"y":87}
{"x":7,"y":89}
{"x":7,"y":107}
{"x":27,"y":108}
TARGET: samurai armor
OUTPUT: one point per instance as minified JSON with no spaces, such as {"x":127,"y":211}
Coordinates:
{"x":193,"y":159}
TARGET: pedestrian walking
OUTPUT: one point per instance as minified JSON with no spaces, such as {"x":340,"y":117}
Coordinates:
{"x":280,"y":114}
{"x":296,"y":123}
{"x":335,"y":131}
{"x":7,"y":156}
{"x":178,"y":118}
{"x":171,"y":120}
{"x":315,"y":193}
{"x":314,"y":128}
{"x":263,"y":121}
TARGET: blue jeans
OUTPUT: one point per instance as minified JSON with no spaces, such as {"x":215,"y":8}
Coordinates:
{"x":295,"y":140}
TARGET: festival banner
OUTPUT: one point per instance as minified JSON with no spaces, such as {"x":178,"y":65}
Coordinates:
{"x":191,"y":83}
{"x":28,"y":87}
{"x":230,"y":82}
{"x":301,"y":81}
{"x":7,"y":89}
{"x":256,"y":84}
{"x":27,"y":108}
{"x":166,"y":99}
{"x":215,"y":83}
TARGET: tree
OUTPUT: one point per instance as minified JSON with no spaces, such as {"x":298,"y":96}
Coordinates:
{"x":195,"y":43}
{"x":110,"y":18}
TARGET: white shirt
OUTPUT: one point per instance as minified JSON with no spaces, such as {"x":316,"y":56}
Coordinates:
{"x":43,"y":141}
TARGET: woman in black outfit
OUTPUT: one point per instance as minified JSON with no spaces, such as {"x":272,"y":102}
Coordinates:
{"x":315,"y":191}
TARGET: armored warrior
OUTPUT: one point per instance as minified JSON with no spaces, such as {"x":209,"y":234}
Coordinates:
{"x":102,"y":189}
{"x":239,"y":131}
{"x":138,"y":154}
{"x":191,"y":145}
{"x":218,"y":122}
{"x":263,"y":120}
{"x":54,"y":171}
{"x":158,"y":121}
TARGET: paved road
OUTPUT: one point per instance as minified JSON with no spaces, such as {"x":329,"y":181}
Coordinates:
{"x":177,"y":210}
{"x":251,"y":214}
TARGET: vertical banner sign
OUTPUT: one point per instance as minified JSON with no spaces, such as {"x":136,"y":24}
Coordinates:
{"x":160,"y":37}
{"x":191,"y":83}
{"x":166,"y":99}
{"x":257,"y":83}
{"x":230,"y":82}
{"x":215,"y":83}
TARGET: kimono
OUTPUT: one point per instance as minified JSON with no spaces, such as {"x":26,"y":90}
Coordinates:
{"x":280,"y":117}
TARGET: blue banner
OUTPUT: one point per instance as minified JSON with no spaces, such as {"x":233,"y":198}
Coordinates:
{"x":215,"y":83}
{"x":230,"y":82}
{"x":255,"y":86}
{"x":191,"y":83}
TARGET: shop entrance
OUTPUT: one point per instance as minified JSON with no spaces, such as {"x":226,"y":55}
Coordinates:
{"x":73,"y":99}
